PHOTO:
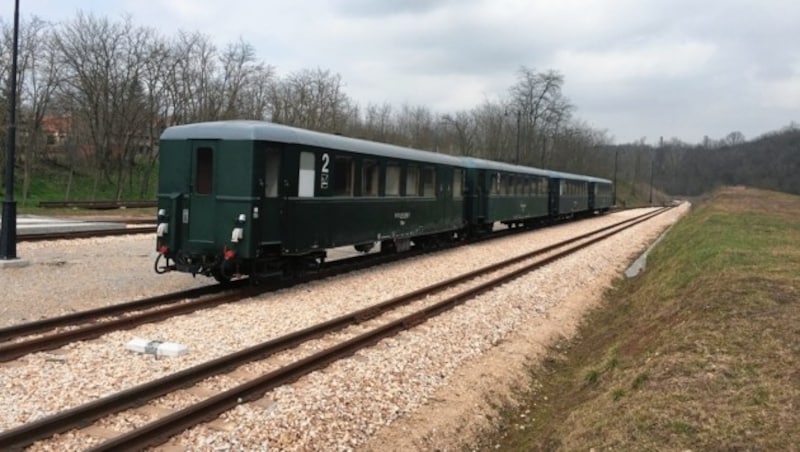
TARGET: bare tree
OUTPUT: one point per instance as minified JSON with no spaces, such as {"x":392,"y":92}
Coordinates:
{"x":103,"y":64}
{"x":533,"y":96}
{"x":494,"y":131}
{"x":415,"y":126}
{"x":379,"y":124}
{"x":39,"y":74}
{"x":313,"y":99}
{"x":734,"y":138}
{"x":461,"y":131}
{"x":244,"y":83}
{"x":195,"y":93}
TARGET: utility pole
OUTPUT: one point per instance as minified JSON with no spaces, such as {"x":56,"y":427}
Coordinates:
{"x":652,"y":165}
{"x":8,"y":229}
{"x":614,"y":194}
{"x":519,"y":120}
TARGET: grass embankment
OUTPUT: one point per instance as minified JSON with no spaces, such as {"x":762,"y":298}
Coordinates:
{"x":701,"y":351}
{"x":50,"y":182}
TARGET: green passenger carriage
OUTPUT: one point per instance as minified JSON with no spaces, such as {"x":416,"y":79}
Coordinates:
{"x":256,"y":198}
{"x":499,"y":192}
{"x":576,"y":195}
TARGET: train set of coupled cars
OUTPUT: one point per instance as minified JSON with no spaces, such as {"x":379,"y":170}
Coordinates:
{"x":253,"y":198}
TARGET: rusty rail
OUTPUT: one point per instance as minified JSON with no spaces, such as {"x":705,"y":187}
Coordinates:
{"x":85,"y":234}
{"x":99,"y":205}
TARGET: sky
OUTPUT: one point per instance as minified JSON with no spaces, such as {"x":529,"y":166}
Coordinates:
{"x":639,"y":69}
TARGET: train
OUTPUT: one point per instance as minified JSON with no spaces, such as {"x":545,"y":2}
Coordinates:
{"x":254,"y":198}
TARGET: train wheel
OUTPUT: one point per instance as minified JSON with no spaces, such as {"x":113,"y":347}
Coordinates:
{"x":221,"y":277}
{"x":364,"y":247}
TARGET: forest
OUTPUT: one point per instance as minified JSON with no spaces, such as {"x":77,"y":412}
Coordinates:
{"x":94,"y":95}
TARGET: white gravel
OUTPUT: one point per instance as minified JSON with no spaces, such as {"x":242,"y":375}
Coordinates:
{"x":368,"y":401}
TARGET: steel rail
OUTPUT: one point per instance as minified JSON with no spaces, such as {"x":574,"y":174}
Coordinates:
{"x":99,"y":205}
{"x":10,"y":351}
{"x":85,"y":234}
{"x":90,"y":315}
{"x":138,"y":395}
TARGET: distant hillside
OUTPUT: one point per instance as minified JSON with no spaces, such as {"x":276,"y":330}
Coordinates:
{"x":770,"y":162}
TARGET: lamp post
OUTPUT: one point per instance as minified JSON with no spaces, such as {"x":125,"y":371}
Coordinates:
{"x":8,"y":229}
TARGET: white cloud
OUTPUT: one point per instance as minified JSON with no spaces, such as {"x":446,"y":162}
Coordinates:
{"x":635,"y":67}
{"x":651,"y":60}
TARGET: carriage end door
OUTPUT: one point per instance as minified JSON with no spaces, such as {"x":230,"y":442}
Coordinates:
{"x":201,"y":211}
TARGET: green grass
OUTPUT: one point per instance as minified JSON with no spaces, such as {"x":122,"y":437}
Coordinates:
{"x":50,"y":184}
{"x":700,"y":352}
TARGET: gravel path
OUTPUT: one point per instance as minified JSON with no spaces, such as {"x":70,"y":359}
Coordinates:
{"x":397,"y":395}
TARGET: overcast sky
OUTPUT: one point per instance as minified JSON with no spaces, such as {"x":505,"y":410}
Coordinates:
{"x":636,"y":68}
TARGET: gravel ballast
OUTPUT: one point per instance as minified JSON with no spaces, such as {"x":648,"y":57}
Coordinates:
{"x":426,"y":388}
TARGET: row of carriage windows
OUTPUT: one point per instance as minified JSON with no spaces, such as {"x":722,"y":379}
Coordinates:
{"x":602,"y":189}
{"x":399,"y":179}
{"x":573,"y":188}
{"x":507,"y":185}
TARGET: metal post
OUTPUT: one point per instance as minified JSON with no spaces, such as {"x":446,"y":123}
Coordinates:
{"x":614,"y":194}
{"x":519,"y":119}
{"x":652,"y":160}
{"x":8,"y":229}
{"x":652,"y":165}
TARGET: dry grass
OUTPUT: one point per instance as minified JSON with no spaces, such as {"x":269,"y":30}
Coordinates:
{"x":700,"y":352}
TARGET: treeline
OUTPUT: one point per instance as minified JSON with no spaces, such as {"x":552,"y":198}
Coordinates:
{"x":771,"y":161}
{"x":94,"y":95}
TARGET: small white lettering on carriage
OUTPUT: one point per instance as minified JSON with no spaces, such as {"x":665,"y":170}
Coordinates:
{"x":402,"y":215}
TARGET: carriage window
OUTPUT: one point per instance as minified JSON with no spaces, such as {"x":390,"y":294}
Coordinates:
{"x":494,"y":184}
{"x":271,"y":172}
{"x":506,"y":187}
{"x":369,"y":178}
{"x":392,"y":179}
{"x":343,"y":176}
{"x":305,"y":182}
{"x":458,"y":183}
{"x":204,"y":171}
{"x":428,"y":182}
{"x":412,"y":181}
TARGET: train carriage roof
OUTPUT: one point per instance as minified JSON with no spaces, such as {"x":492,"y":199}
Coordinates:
{"x":491,"y":165}
{"x":267,"y":131}
{"x":578,"y":177}
{"x":471,"y":162}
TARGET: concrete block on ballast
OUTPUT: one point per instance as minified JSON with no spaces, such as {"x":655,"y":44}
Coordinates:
{"x":157,"y":348}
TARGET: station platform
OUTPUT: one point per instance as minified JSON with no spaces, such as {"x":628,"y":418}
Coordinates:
{"x":35,"y":224}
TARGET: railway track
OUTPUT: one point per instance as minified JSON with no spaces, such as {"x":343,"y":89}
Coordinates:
{"x":159,"y":431}
{"x":98,"y":205}
{"x":56,"y":332}
{"x":85,"y":234}
{"x":127,"y":316}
